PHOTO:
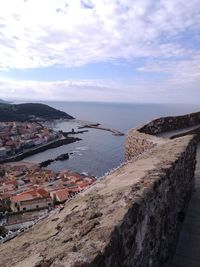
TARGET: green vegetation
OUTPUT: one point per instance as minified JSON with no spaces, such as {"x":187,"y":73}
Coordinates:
{"x":30,"y":111}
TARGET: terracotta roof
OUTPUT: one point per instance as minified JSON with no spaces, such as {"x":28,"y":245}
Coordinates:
{"x":74,"y":190}
{"x":62,"y":195}
{"x":42,"y":192}
{"x":31,"y":194}
{"x":83,"y":183}
{"x":21,"y":197}
{"x":4,"y":196}
{"x":11,"y":182}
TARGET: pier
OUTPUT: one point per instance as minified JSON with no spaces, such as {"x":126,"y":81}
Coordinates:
{"x":99,"y":127}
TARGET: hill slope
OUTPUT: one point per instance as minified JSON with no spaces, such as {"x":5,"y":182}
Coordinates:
{"x":4,"y":102}
{"x":23,"y":112}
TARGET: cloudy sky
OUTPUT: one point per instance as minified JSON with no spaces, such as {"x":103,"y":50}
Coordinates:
{"x":100,"y":50}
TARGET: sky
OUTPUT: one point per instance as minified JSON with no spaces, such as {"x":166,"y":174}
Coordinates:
{"x":100,"y":50}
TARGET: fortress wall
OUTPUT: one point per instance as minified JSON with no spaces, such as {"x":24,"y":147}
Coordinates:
{"x":138,"y":143}
{"x":129,"y":218}
{"x":165,"y":124}
{"x":155,"y":209}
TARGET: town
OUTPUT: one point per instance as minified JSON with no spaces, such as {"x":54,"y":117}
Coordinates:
{"x":18,"y":137}
{"x":29,"y":192}
{"x":25,"y":186}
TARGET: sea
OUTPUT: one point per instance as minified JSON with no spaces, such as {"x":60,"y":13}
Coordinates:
{"x":99,"y":151}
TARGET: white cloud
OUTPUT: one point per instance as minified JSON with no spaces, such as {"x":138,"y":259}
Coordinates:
{"x":183,"y":72}
{"x":164,"y":34}
{"x":39,"y":33}
{"x":91,"y":90}
{"x":60,"y":90}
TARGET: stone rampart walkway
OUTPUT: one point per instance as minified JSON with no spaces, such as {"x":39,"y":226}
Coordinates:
{"x":179,"y":131}
{"x":187,"y":252}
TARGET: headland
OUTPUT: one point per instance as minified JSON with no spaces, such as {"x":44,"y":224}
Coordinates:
{"x":30,"y":112}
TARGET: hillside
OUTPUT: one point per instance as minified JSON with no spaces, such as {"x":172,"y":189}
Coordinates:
{"x":4,"y":102}
{"x":23,"y":112}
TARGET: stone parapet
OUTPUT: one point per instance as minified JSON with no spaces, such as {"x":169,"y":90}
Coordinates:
{"x":129,"y":218}
{"x":166,"y":124}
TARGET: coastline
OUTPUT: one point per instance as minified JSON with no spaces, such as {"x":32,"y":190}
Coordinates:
{"x":52,"y":144}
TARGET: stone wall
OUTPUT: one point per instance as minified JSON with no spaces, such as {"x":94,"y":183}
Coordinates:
{"x":171,"y":123}
{"x":138,"y":143}
{"x":129,"y":218}
{"x":156,"y":206}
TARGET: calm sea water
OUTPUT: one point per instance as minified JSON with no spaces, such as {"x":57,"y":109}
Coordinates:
{"x":100,"y":151}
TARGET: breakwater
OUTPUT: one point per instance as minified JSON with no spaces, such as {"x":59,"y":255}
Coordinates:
{"x":35,"y":150}
{"x":97,"y":126}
